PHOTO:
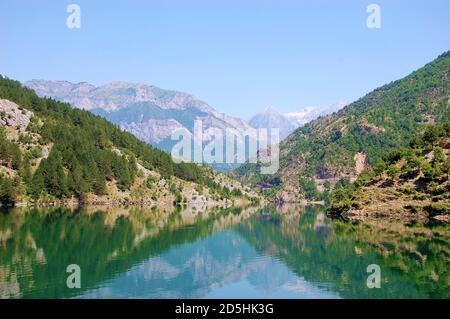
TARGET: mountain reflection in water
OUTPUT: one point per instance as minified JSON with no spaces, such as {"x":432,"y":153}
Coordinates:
{"x":287,"y":252}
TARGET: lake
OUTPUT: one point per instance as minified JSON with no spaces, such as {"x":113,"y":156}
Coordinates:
{"x":286,"y":252}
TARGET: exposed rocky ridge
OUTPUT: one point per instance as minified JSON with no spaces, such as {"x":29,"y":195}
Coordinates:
{"x":138,"y":108}
{"x":13,"y":116}
{"x":15,"y":122}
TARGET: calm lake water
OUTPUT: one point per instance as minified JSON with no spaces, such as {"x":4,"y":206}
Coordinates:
{"x":235,"y":253}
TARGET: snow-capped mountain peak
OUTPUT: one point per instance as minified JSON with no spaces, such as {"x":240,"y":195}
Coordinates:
{"x":288,"y":122}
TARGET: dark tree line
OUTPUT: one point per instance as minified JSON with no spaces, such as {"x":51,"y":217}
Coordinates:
{"x":87,"y":151}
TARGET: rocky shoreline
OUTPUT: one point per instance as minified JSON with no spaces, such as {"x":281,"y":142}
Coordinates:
{"x":387,"y":214}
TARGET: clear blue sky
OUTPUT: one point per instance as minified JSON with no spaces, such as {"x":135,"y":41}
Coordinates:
{"x":239,"y":56}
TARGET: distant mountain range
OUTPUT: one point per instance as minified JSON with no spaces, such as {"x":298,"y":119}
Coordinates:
{"x":288,"y":122}
{"x":148,"y":112}
{"x":152,"y":114}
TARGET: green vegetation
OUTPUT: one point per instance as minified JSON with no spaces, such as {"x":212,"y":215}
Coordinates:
{"x":9,"y":190}
{"x":86,"y":152}
{"x":332,"y":253}
{"x":90,"y":237}
{"x":383,"y":120}
{"x":413,"y":257}
{"x":418,"y":173}
{"x":309,"y":190}
{"x":10,"y":154}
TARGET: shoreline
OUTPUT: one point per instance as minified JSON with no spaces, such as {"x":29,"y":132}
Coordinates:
{"x":71,"y":203}
{"x":366,"y":215}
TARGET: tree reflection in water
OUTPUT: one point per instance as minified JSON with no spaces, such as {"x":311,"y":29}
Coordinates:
{"x":285,"y":252}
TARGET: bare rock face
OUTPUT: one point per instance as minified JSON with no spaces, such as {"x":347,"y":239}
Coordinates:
{"x":150,"y":113}
{"x":153,"y":130}
{"x":115,"y":95}
{"x":11,"y":115}
{"x":362,"y":163}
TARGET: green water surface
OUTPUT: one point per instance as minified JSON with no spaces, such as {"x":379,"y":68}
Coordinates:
{"x":286,"y":252}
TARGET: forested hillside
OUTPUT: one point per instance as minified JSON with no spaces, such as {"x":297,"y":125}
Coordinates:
{"x":407,"y":182}
{"x":340,"y":146}
{"x":49,"y":150}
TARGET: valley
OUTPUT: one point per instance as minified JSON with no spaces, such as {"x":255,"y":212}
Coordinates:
{"x":338,"y":159}
{"x":224,"y":150}
{"x":366,"y":185}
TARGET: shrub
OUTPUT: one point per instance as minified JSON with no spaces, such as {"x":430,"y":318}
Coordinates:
{"x":437,"y":209}
{"x":412,"y":208}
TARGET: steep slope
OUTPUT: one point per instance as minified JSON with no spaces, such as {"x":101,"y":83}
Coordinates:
{"x":329,"y":148}
{"x":148,"y":112}
{"x":51,"y":152}
{"x":411,"y":182}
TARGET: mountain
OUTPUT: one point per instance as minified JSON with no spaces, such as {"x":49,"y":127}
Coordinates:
{"x":302,"y":116}
{"x":408,"y":183}
{"x":148,"y":112}
{"x":51,"y":152}
{"x":153,"y":114}
{"x":310,"y":113}
{"x":288,"y":122}
{"x":342,"y":145}
{"x":271,"y":118}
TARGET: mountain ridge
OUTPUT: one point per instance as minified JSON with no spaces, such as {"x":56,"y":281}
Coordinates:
{"x":52,"y":153}
{"x":148,"y":112}
{"x":326,"y":149}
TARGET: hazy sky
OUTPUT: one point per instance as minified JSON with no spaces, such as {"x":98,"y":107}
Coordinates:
{"x":239,"y":56}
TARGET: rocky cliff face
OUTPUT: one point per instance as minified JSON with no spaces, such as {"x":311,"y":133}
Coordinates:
{"x":148,"y":112}
{"x":11,"y":115}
